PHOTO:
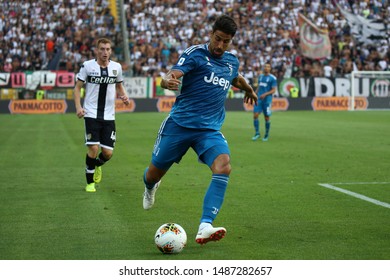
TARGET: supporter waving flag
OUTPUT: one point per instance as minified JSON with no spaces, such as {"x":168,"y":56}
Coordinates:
{"x":314,"y":42}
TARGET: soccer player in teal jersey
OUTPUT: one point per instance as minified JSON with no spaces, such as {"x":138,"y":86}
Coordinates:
{"x":266,"y":88}
{"x":205,"y":73}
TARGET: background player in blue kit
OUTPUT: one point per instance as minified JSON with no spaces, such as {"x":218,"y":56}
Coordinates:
{"x":207,"y":71}
{"x":266,"y":88}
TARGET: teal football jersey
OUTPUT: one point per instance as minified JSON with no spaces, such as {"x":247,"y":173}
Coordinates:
{"x":205,"y":84}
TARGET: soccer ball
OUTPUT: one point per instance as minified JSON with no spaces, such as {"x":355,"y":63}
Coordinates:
{"x":170,"y":238}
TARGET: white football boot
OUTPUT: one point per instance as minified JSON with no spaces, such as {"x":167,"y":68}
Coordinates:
{"x":149,"y":196}
{"x":208,"y":233}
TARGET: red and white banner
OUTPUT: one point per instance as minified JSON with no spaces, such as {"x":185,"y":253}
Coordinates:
{"x":314,"y":42}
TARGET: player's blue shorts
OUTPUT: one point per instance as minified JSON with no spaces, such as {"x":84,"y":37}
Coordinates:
{"x":263,"y":106}
{"x":173,"y":141}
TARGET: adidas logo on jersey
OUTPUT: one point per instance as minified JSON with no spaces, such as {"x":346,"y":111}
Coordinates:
{"x":215,"y":80}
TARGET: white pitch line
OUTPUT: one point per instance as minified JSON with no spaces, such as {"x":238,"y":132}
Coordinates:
{"x":362,"y":183}
{"x":363,"y":197}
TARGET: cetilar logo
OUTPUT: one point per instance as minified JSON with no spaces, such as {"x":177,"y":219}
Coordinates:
{"x":215,"y":80}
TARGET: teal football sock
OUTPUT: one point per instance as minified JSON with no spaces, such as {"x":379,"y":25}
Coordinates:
{"x":256,"y":125}
{"x":214,"y":197}
{"x":267,"y":127}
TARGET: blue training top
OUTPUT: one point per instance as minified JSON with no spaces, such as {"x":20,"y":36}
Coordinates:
{"x":266,"y":83}
{"x":206,"y":81}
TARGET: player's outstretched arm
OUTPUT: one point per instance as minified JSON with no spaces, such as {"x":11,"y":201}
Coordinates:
{"x":250,"y":95}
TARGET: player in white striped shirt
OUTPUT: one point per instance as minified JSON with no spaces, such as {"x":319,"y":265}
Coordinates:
{"x":103,"y":82}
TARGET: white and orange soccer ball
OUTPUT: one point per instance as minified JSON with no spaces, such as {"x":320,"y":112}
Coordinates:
{"x":170,"y":238}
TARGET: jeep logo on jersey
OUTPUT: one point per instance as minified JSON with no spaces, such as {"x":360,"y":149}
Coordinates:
{"x":263,"y":84}
{"x":215,"y":80}
{"x":101,"y":80}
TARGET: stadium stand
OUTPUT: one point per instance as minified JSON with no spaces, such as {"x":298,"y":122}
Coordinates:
{"x":60,"y":34}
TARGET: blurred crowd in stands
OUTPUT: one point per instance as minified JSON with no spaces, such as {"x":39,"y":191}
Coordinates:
{"x":61,"y":34}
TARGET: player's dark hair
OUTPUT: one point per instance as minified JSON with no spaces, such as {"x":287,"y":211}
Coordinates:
{"x":225,"y":24}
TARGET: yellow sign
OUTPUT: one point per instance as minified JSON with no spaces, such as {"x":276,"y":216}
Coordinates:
{"x":338,"y":103}
{"x":121,"y":107}
{"x":278,"y":104}
{"x":37,"y":106}
{"x":165,"y":104}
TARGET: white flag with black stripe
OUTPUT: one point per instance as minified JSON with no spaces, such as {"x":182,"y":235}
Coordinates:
{"x":365,"y":30}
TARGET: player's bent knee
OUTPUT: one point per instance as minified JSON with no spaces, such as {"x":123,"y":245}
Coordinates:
{"x":225,"y":169}
{"x":222,"y":165}
{"x":93,"y":151}
{"x":107,"y":154}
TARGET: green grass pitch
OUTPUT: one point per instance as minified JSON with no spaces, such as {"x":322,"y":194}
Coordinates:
{"x":274,"y":207}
